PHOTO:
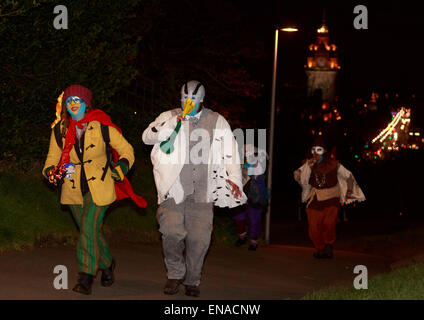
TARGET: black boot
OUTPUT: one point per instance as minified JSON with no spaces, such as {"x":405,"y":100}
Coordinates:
{"x":328,"y":251}
{"x":319,"y":254}
{"x":108,"y":278}
{"x":240,"y":242}
{"x":84,"y":284}
{"x":253,"y":245}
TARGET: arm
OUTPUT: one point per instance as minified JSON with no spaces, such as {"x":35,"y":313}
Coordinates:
{"x":53,"y":155}
{"x":124,"y":149}
{"x":302,"y":174}
{"x":346,"y":175}
{"x":160,"y":129}
{"x":232,"y":164}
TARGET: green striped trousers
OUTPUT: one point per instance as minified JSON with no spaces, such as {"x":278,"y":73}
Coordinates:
{"x":92,"y":250}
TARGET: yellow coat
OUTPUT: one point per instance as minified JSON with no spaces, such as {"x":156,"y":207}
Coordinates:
{"x":102,"y":192}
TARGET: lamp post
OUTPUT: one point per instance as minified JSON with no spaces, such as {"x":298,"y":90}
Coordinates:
{"x":271,"y":129}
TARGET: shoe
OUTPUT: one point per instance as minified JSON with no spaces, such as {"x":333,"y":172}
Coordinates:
{"x":172,"y":286}
{"x":240,"y":242}
{"x":323,"y":254}
{"x":253,"y":246}
{"x":192,"y":291}
{"x":108,"y":278}
{"x":328,"y":251}
{"x":84,"y":284}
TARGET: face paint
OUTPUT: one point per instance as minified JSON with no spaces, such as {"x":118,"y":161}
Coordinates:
{"x":317,"y":150}
{"x":76,"y":107}
{"x":195,"y":91}
{"x":196,"y":105}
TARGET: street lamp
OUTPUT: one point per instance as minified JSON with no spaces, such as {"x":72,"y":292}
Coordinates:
{"x":271,"y":132}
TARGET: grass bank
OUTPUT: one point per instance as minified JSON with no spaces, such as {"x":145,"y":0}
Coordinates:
{"x":31,"y":215}
{"x":401,"y":284}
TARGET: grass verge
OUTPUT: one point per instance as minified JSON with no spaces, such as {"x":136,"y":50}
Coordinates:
{"x":401,"y":284}
{"x":31,"y":215}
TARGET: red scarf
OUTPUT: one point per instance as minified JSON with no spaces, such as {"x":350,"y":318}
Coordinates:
{"x":122,"y":189}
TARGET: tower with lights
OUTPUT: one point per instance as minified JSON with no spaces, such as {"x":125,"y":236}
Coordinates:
{"x":322,"y":65}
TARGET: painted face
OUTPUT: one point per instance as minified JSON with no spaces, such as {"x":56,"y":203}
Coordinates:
{"x":75,"y":105}
{"x":195,"y":91}
{"x":317,"y":150}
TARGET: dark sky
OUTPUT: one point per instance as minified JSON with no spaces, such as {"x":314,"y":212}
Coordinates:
{"x":387,"y":56}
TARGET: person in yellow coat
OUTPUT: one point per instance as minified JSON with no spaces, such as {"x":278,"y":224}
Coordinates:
{"x":78,"y":161}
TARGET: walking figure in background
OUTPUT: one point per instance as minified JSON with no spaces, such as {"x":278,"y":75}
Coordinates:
{"x":257,"y":197}
{"x":325,"y":184}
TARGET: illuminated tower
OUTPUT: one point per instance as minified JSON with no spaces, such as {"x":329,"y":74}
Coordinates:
{"x":322,"y":65}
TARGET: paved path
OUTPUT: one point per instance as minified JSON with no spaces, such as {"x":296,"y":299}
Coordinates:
{"x":272,"y":272}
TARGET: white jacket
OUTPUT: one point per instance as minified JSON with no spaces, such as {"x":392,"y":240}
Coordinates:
{"x":223,"y":163}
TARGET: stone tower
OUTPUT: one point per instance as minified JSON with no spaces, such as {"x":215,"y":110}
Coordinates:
{"x":322,"y":65}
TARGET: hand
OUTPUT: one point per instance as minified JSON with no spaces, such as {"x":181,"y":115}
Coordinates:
{"x":55,"y":174}
{"x":311,"y":161}
{"x":50,"y":174}
{"x":46,"y":171}
{"x":119,"y":172}
{"x":235,"y":189}
{"x":180,"y":117}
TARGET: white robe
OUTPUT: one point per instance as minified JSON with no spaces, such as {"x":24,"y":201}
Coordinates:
{"x":223,"y":163}
{"x":302,"y":175}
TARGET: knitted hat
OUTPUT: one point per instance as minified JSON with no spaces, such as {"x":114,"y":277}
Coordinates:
{"x":79,"y":91}
{"x":318,"y":141}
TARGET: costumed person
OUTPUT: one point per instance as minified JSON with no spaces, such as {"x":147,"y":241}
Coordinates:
{"x":82,"y":144}
{"x":325,"y":184}
{"x":257,"y":197}
{"x":190,"y":178}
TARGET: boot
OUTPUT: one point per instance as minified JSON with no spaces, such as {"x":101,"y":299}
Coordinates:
{"x":328,"y":251}
{"x":84,"y":284}
{"x":172,"y":286}
{"x":242,"y":239}
{"x":319,"y":254}
{"x":253,"y":245}
{"x":192,"y":291}
{"x":240,"y":242}
{"x":108,"y":278}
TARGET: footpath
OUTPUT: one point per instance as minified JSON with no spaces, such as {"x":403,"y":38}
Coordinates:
{"x":274,"y":272}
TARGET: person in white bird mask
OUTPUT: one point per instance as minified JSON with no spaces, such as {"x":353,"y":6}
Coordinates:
{"x":196,"y":165}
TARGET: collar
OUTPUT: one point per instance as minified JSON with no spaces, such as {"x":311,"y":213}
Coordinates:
{"x":197,"y":116}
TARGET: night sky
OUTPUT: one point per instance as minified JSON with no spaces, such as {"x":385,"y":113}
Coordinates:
{"x":386,"y":57}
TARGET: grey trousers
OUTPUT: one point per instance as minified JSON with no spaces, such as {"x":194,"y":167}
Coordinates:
{"x":188,"y":226}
